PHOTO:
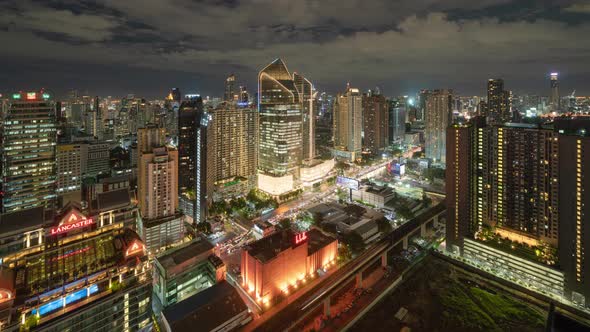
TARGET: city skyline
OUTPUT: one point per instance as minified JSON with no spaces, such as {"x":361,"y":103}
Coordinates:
{"x":111,"y":48}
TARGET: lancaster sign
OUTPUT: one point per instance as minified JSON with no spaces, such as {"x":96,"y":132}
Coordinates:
{"x":72,"y":221}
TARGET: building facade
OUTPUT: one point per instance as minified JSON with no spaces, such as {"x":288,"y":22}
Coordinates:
{"x":438,"y":116}
{"x":233,"y":137}
{"x":375,"y":122}
{"x":84,"y":269}
{"x":348,"y":122}
{"x":29,"y":139}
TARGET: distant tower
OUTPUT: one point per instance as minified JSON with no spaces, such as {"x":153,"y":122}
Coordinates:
{"x":498,"y":110}
{"x":348,"y":122}
{"x":437,"y":118}
{"x":230,"y":88}
{"x":554,"y":98}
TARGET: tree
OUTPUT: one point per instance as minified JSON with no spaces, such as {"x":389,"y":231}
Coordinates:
{"x":426,"y":200}
{"x":384,"y":226}
{"x":355,"y":241}
{"x":285,"y":223}
{"x":204,"y":227}
{"x":344,"y":254}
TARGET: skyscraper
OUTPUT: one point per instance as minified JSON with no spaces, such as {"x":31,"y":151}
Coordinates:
{"x":29,"y":139}
{"x":306,"y":97}
{"x":397,"y":120}
{"x":230,"y":91}
{"x":348,"y":123}
{"x":233,"y":146}
{"x":437,"y":118}
{"x":280,"y":118}
{"x":193,"y":183}
{"x":375,"y":122}
{"x":499,"y":102}
{"x":574,"y":207}
{"x":158,"y":182}
{"x":516,"y":197}
{"x":554,"y":99}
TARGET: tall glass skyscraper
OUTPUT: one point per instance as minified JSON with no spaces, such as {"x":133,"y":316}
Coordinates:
{"x":280,"y":114}
{"x":29,"y":139}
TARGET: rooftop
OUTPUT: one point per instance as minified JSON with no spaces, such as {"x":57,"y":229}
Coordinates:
{"x":317,"y":241}
{"x":172,"y":258}
{"x":207,"y":309}
{"x":269,"y":247}
{"x":23,"y":220}
{"x":112,"y":199}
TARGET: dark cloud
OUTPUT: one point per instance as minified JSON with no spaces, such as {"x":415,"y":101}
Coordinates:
{"x":147,"y":46}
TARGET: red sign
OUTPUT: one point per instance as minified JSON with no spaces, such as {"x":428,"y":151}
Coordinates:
{"x":69,"y":227}
{"x":135,"y":248}
{"x":300,"y":237}
{"x":73,"y":220}
{"x":31,"y":95}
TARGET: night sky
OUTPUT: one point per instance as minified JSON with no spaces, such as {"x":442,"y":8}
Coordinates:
{"x":115,"y":47}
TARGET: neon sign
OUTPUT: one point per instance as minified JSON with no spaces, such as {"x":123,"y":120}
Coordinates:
{"x":300,"y":237}
{"x":135,"y":248}
{"x":16,"y":96}
{"x":31,"y":95}
{"x":69,"y":227}
{"x":71,"y":221}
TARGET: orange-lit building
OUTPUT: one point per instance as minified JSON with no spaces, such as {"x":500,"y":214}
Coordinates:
{"x":274,"y":263}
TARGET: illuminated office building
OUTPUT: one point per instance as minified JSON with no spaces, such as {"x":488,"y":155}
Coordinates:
{"x":29,"y":138}
{"x":307,"y":99}
{"x":83,"y":270}
{"x":348,"y":124}
{"x":69,"y":171}
{"x":193,"y":182}
{"x":375,"y":122}
{"x":280,"y":130}
{"x":437,"y":117}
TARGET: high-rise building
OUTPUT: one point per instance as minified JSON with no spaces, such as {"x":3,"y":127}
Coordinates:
{"x":375,"y":122}
{"x":422,"y":96}
{"x":29,"y":139}
{"x":554,"y":99}
{"x":306,"y":97}
{"x":193,"y":182}
{"x":230,"y":91}
{"x":397,"y":120}
{"x":516,"y":200}
{"x":499,"y":102}
{"x":348,"y":123}
{"x":157,"y":173}
{"x":574,"y":207}
{"x":233,"y":147}
{"x":161,"y":224}
{"x":280,"y":117}
{"x":69,"y":170}
{"x":437,"y":118}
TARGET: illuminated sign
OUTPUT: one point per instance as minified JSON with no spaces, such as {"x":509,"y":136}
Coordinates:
{"x":16,"y":96}
{"x":31,"y":95}
{"x":69,"y":227}
{"x":135,"y":248}
{"x":72,"y":221}
{"x":347,"y":182}
{"x":300,"y":237}
{"x":46,"y":96}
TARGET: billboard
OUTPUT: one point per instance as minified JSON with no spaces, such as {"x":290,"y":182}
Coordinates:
{"x":347,"y":182}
